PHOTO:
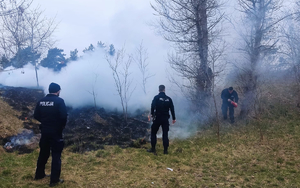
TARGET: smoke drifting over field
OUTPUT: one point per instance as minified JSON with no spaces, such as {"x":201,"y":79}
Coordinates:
{"x":79,"y":78}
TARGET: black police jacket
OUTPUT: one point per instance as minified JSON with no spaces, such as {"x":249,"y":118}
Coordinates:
{"x":161,"y":104}
{"x":225,"y":95}
{"x":51,"y":111}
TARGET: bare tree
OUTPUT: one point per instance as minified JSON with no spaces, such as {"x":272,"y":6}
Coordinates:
{"x":216,"y":53}
{"x":120,"y":66}
{"x":297,"y":10}
{"x":9,"y":7}
{"x":28,"y":28}
{"x":39,"y":30}
{"x":93,"y":92}
{"x":291,"y":49}
{"x":141,"y":60}
{"x":13,"y":35}
{"x":260,"y":20}
{"x":192,"y":26}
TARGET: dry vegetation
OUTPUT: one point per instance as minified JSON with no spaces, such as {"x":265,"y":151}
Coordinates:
{"x":9,"y":121}
{"x":242,"y":159}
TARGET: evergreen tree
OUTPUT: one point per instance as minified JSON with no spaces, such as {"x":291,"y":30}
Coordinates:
{"x":25,"y":56}
{"x":91,"y":48}
{"x":101,"y":45}
{"x":74,"y":55}
{"x":4,"y":62}
{"x":111,"y":50}
{"x":55,"y":59}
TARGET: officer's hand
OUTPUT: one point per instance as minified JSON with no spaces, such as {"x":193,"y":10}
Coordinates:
{"x":173,"y":122}
{"x":229,"y":100}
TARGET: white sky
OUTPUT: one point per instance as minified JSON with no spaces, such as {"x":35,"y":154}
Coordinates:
{"x":118,"y":22}
{"x":82,"y":23}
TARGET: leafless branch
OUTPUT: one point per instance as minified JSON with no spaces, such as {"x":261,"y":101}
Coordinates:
{"x":121,"y":73}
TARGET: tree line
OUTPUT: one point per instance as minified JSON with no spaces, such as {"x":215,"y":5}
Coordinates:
{"x":26,"y":36}
{"x":54,"y":60}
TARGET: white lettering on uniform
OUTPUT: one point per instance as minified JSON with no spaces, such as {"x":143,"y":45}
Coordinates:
{"x":162,"y":99}
{"x":46,"y":103}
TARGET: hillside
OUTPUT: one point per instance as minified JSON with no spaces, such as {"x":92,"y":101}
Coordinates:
{"x":87,"y":128}
{"x":258,"y":153}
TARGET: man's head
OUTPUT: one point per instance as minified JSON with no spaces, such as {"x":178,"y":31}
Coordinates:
{"x":230,"y":89}
{"x":161,"y":88}
{"x":54,"y":88}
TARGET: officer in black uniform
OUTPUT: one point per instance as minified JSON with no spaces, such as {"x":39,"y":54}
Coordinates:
{"x":52,"y":113}
{"x":161,"y":104}
{"x":227,"y":96}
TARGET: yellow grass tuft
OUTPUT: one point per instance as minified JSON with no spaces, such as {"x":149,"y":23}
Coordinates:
{"x":9,"y":121}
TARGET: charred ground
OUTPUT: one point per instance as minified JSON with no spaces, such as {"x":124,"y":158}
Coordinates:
{"x":87,"y":128}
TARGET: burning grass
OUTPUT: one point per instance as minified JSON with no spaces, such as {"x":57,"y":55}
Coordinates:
{"x":241,"y":160}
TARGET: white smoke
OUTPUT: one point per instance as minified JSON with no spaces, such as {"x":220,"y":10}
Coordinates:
{"x":23,"y":138}
{"x":78,"y":80}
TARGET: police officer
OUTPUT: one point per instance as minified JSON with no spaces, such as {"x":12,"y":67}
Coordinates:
{"x":227,"y":96}
{"x":161,"y":104}
{"x":52,"y":113}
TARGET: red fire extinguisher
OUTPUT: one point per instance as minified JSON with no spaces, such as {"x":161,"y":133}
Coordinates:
{"x":234,"y":104}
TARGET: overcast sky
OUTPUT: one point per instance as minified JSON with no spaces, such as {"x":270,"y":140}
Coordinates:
{"x":118,"y":22}
{"x":81,"y":23}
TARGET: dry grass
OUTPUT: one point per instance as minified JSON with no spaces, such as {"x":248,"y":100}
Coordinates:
{"x":240,"y":160}
{"x":9,"y":121}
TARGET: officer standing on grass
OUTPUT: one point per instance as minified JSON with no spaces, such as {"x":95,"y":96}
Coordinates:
{"x":52,"y":113}
{"x":161,"y":104}
{"x":228,"y":95}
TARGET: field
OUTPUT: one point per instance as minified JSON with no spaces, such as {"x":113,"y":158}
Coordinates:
{"x":263,"y":152}
{"x":242,"y":159}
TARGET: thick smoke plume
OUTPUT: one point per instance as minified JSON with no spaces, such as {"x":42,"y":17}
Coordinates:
{"x":91,"y":74}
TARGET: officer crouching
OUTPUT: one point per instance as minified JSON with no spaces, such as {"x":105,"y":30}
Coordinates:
{"x":52,"y":113}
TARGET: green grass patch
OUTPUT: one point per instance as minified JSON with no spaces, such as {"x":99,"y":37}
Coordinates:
{"x":242,"y":159}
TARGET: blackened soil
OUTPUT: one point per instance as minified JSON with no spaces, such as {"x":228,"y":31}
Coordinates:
{"x":87,"y":128}
{"x":90,"y":128}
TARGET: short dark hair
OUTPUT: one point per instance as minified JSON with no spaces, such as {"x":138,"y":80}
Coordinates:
{"x":161,"y":88}
{"x":230,"y":88}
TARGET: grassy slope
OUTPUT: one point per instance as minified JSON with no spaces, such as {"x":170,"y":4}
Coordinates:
{"x":241,"y":160}
{"x":9,"y":123}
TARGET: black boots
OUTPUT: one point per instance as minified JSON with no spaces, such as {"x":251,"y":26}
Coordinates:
{"x":56,"y":183}
{"x":151,"y":150}
{"x":39,"y":178}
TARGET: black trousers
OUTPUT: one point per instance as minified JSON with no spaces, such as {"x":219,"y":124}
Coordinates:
{"x":225,"y":107}
{"x":50,"y":142}
{"x":164,"y":123}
